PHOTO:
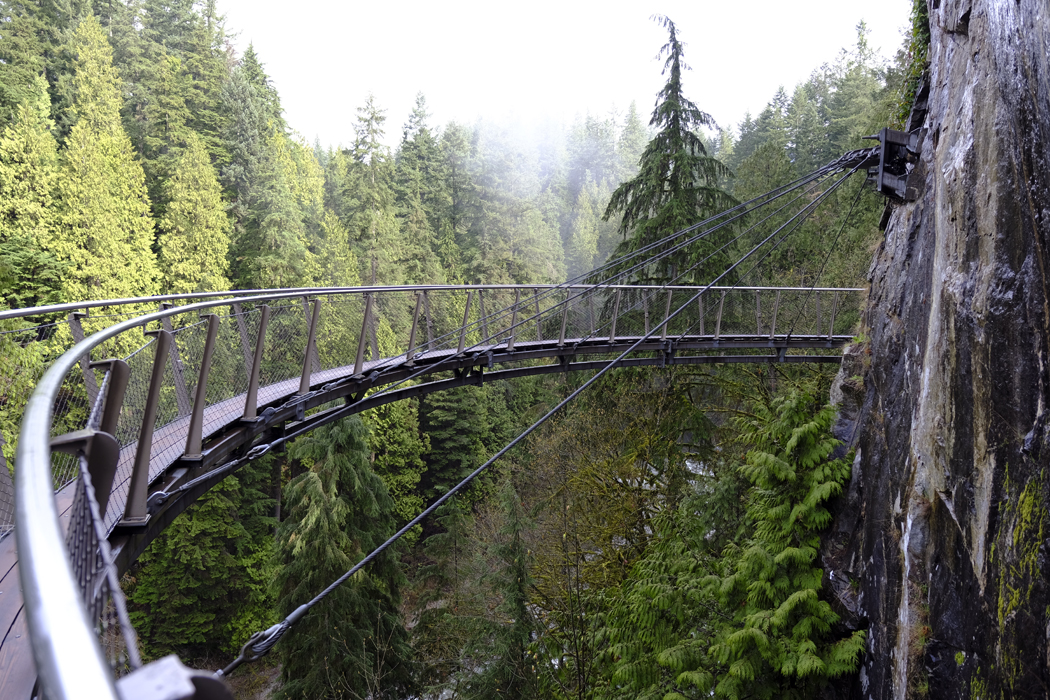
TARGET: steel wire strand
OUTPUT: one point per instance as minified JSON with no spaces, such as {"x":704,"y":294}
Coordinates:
{"x":500,"y":314}
{"x":823,"y":265}
{"x":261,"y":642}
{"x":811,"y":207}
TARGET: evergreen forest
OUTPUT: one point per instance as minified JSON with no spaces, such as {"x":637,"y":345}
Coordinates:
{"x":658,"y":539}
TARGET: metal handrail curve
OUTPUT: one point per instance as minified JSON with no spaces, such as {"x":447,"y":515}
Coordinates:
{"x":67,"y":670}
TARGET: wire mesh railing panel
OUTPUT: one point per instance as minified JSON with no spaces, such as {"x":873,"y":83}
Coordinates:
{"x":339,"y":329}
{"x":286,"y":338}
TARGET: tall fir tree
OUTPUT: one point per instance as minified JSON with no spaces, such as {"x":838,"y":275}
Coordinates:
{"x":353,"y":643}
{"x":105,"y":234}
{"x":28,"y":178}
{"x":194,"y":230}
{"x":677,"y":183}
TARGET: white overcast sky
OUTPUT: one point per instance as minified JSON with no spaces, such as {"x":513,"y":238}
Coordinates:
{"x":539,"y":61}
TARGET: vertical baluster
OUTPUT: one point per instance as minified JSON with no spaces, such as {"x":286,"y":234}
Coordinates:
{"x":359,"y":363}
{"x":615,"y":316}
{"x":645,"y":310}
{"x":700,"y":302}
{"x":776,"y":309}
{"x":182,"y":394}
{"x":590,"y":307}
{"x":834,"y":310}
{"x":463,"y":328}
{"x":135,"y":515}
{"x":89,"y":376}
{"x":310,"y":353}
{"x":514,"y":321}
{"x":539,"y":320}
{"x":667,"y":315}
{"x":412,"y":333}
{"x":104,"y":468}
{"x":251,"y":400}
{"x":758,"y":314}
{"x":565,"y":317}
{"x":816,"y":331}
{"x":485,"y":338}
{"x":430,"y":323}
{"x":315,"y":358}
{"x":718,"y":321}
{"x":194,"y":439}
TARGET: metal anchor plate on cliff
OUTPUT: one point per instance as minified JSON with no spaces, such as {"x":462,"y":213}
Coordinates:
{"x":898,"y":153}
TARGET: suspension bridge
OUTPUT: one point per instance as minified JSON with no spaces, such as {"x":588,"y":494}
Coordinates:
{"x":146,"y":404}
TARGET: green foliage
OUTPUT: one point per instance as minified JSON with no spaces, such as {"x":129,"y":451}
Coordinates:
{"x":29,"y":275}
{"x":105,"y":231}
{"x":781,"y":644}
{"x":677,"y":181}
{"x":194,"y":230}
{"x":917,"y":49}
{"x":202,"y":587}
{"x":352,"y":644}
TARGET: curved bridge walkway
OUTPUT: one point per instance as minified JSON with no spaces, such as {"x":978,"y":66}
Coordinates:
{"x":158,"y":419}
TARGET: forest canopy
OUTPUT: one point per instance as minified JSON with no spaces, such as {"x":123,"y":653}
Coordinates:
{"x":658,"y":540}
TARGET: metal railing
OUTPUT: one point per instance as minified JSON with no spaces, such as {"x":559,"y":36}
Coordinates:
{"x":164,"y":382}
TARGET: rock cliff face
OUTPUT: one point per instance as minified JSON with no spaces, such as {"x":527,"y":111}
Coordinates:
{"x":941,"y":550}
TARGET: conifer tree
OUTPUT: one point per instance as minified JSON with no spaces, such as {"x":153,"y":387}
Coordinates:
{"x":502,"y":651}
{"x":582,"y":253}
{"x":194,"y":230}
{"x":781,"y":643}
{"x":23,"y":44}
{"x":352,"y":644}
{"x":28,"y":175}
{"x":677,"y":181}
{"x":105,"y":235}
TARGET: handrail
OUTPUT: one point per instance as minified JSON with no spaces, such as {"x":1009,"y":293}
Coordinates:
{"x":299,"y":291}
{"x":66,"y":669}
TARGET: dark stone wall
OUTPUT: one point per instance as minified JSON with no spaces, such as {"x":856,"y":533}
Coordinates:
{"x":940,"y":546}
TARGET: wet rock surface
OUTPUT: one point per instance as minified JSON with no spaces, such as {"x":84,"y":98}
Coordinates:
{"x":940,"y":545}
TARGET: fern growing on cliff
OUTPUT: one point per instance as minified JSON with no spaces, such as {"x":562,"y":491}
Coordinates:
{"x":781,"y":643}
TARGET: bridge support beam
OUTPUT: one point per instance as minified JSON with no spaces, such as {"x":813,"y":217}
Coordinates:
{"x":194,"y":440}
{"x":359,"y":362}
{"x":135,"y":515}
{"x":251,"y":399}
{"x":310,"y":356}
{"x":463,"y":327}
{"x":412,"y":333}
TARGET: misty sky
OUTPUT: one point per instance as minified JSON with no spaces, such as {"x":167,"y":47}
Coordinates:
{"x":539,"y":61}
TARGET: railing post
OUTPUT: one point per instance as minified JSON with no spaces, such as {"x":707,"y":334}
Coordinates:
{"x":590,"y":308}
{"x":359,"y":363}
{"x":700,"y":301}
{"x":718,"y":322}
{"x":311,"y":319}
{"x":834,"y":310}
{"x":645,"y":310}
{"x":758,"y":314}
{"x":242,"y":331}
{"x":667,"y":315}
{"x":565,"y":317}
{"x":308,"y":355}
{"x":817,"y":329}
{"x":514,"y":320}
{"x":102,"y":464}
{"x":539,"y":320}
{"x":776,"y":308}
{"x":182,"y":394}
{"x":463,"y":328}
{"x":412,"y":333}
{"x":135,"y":515}
{"x":615,"y":316}
{"x":484,"y":319}
{"x":251,"y":399}
{"x":89,"y":376}
{"x":194,"y":439}
{"x":430,"y":322}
